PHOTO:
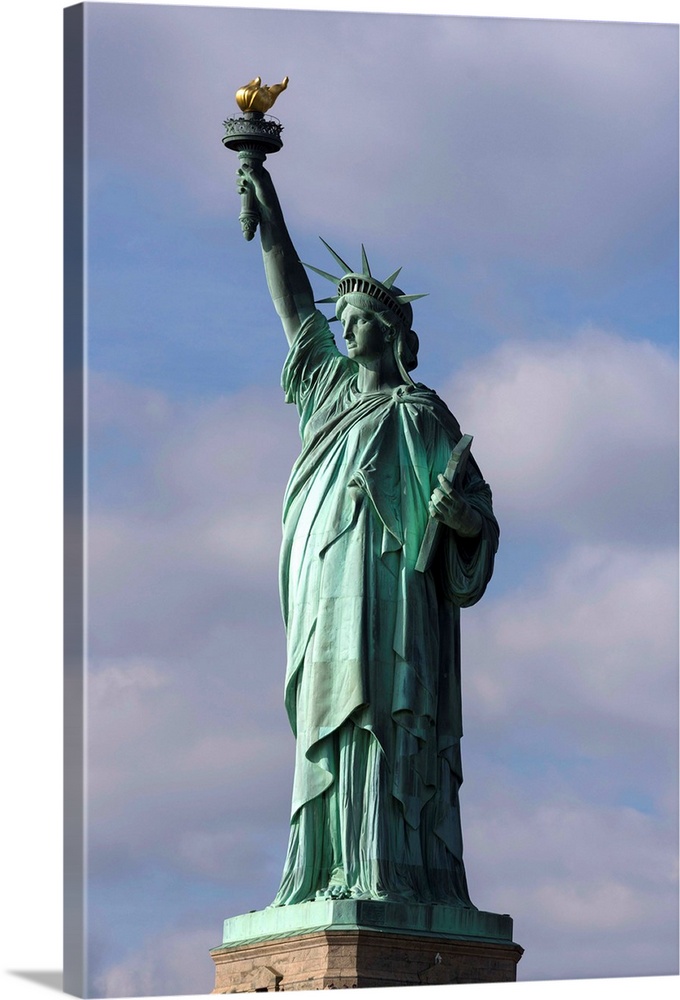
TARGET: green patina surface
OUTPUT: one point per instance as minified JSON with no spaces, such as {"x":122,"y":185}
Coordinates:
{"x":372,"y":684}
{"x":348,"y":914}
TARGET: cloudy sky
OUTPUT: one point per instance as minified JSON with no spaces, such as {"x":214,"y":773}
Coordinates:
{"x":524,"y":173}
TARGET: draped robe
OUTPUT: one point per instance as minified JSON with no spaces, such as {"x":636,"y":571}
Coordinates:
{"x":372,"y":685}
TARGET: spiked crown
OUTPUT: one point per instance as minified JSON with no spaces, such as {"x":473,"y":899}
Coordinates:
{"x":384,"y":292}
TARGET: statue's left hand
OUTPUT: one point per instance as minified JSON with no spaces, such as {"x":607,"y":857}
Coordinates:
{"x":450,"y":508}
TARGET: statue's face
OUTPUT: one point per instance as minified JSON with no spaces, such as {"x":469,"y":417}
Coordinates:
{"x":366,"y":336}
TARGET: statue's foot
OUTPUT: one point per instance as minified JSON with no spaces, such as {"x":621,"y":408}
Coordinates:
{"x":336,"y":891}
{"x":337,"y":887}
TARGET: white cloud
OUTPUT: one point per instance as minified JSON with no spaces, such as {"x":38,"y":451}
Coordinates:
{"x":570,"y":757}
{"x":592,"y":889}
{"x":578,"y":435}
{"x":160,"y":736}
{"x":187,"y":642}
{"x":183,"y":541}
{"x":173,"y":963}
{"x":551,"y":151}
{"x":573,"y":676}
{"x":607,"y":905}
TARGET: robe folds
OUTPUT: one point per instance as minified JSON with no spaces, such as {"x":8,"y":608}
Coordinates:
{"x":372,"y":685}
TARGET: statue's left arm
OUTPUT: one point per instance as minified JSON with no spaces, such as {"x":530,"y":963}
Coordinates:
{"x":470,"y":542}
{"x":451,"y":508}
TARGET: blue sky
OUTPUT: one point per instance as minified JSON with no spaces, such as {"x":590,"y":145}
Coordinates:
{"x":524,"y":173}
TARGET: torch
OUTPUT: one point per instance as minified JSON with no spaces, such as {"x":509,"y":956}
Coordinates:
{"x":253,"y":135}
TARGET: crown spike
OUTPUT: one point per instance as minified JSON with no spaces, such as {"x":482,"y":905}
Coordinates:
{"x":388,"y":282}
{"x":324,"y":274}
{"x":341,"y":262}
{"x":363,"y":282}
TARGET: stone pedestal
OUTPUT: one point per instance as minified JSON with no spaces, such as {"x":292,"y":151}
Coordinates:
{"x":335,"y":944}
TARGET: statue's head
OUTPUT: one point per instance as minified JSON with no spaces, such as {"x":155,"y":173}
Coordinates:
{"x":381,"y":299}
{"x":395,"y":326}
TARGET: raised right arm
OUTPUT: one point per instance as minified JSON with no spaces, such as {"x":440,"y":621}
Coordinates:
{"x":287,"y":279}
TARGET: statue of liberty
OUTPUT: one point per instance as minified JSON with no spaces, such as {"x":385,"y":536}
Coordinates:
{"x":372,"y":684}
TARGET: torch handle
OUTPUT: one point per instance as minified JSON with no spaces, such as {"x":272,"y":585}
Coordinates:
{"x":249,"y":216}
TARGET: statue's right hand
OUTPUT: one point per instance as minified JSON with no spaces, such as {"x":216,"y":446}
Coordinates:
{"x":256,"y":178}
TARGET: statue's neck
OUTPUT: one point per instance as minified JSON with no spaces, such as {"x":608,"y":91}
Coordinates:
{"x":380,"y":374}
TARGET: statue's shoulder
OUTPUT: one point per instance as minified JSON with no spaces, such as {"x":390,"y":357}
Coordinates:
{"x":432,"y":409}
{"x":427,"y":400}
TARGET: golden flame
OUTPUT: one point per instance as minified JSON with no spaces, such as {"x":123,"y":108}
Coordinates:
{"x":255,"y":97}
